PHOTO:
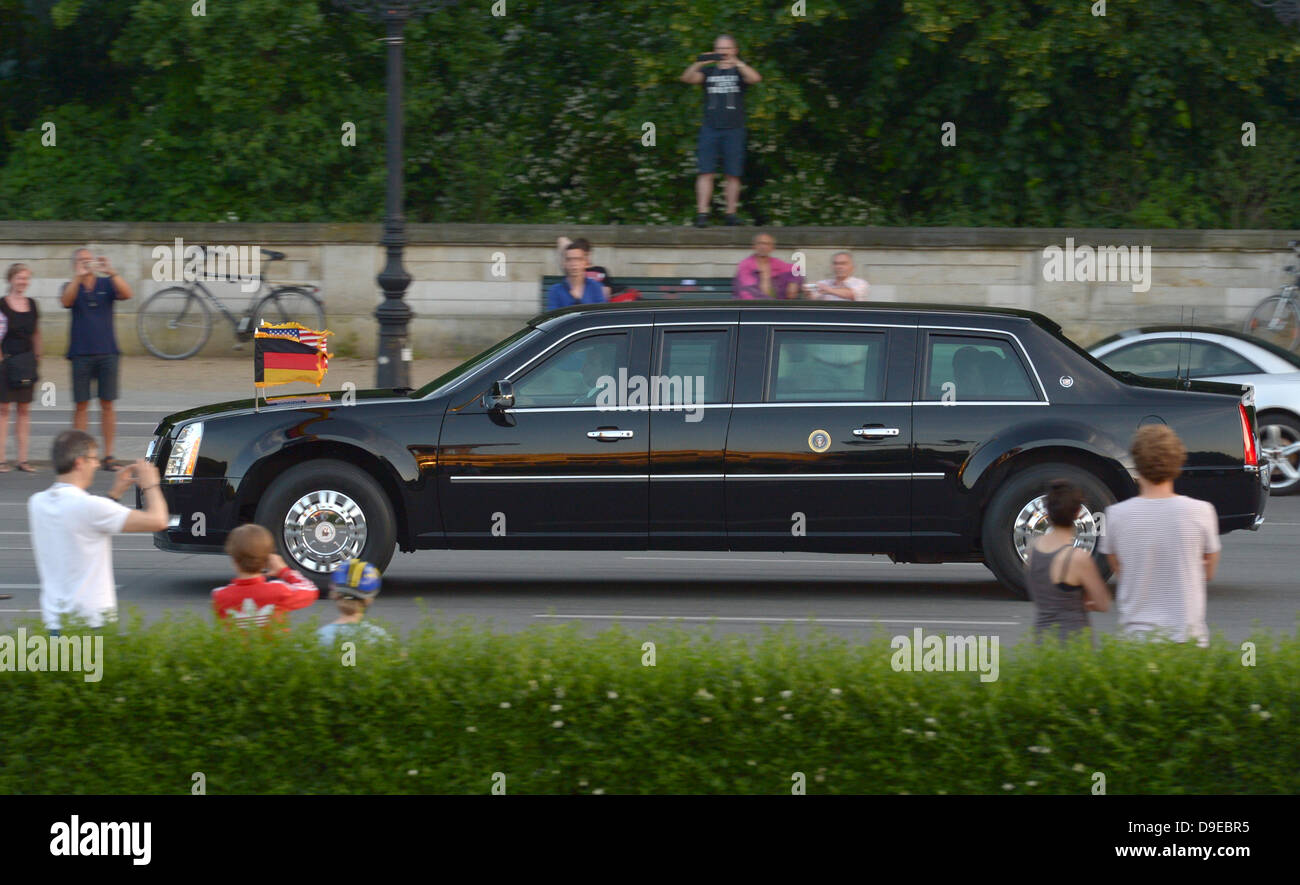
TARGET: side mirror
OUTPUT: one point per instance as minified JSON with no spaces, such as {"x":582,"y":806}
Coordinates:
{"x":502,"y":396}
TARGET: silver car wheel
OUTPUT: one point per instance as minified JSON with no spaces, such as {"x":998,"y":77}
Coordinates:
{"x":1279,"y":445}
{"x":1033,"y":521}
{"x":323,"y":529}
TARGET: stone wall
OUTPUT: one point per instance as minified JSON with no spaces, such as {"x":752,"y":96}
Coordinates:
{"x":473,"y":284}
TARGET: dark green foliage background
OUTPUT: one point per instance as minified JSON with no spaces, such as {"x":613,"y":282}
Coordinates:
{"x":1063,"y":118}
{"x":713,"y":716}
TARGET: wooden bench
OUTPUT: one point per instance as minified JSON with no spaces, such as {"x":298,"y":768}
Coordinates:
{"x":661,"y":288}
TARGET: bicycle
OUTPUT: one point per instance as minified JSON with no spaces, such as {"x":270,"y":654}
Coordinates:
{"x":1279,"y":315}
{"x":174,"y":323}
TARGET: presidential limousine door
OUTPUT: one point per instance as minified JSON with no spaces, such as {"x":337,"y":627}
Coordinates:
{"x":819,"y":449}
{"x":566,"y":465}
{"x":972,"y":384}
{"x":692,"y":375}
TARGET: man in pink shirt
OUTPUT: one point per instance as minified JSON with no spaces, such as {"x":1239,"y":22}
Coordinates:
{"x":762,"y":276}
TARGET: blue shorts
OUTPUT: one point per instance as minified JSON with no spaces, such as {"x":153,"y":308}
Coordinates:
{"x":99,"y":367}
{"x":729,"y":144}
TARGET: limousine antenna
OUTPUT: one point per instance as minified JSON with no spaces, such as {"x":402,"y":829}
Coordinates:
{"x":1178,"y":372}
{"x":1187,"y":382}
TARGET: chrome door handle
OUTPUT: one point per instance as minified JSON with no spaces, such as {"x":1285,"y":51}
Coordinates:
{"x":609,"y":435}
{"x":876,"y":431}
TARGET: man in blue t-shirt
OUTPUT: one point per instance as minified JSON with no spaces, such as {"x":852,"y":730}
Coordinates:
{"x":576,"y":287}
{"x":92,"y":344}
{"x":725,"y":78}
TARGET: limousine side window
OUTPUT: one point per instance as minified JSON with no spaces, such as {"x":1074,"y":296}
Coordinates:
{"x":976,"y":369}
{"x":814,"y":366}
{"x":572,"y":375}
{"x":698,"y":354}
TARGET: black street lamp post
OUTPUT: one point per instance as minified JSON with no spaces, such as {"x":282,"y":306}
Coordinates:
{"x":394,"y":315}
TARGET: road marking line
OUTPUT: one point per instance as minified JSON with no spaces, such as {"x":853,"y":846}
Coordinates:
{"x":766,"y":561}
{"x":36,"y":586}
{"x":28,"y":533}
{"x":115,"y":549}
{"x":779,"y":620}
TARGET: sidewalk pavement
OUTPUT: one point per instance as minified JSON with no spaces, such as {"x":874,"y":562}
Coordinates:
{"x":151,"y":388}
{"x":151,"y":384}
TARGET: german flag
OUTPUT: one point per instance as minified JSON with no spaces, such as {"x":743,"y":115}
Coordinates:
{"x":289,"y":352}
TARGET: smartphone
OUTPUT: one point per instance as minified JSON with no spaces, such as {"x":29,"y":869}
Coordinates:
{"x":710,"y":56}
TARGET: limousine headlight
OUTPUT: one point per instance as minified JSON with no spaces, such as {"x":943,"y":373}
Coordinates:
{"x":185,"y":452}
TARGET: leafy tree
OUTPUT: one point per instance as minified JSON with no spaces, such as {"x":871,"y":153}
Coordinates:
{"x":1060,"y":117}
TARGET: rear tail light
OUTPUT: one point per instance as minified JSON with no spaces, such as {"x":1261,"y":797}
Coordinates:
{"x":1250,"y":448}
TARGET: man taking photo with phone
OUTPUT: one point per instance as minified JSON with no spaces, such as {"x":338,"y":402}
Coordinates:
{"x":92,"y":343}
{"x":722,"y":135}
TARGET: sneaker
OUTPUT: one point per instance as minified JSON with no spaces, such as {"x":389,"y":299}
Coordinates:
{"x":109,"y":463}
{"x":702,"y":220}
{"x":732,"y":221}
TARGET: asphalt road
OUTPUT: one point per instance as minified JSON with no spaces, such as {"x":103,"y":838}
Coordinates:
{"x":850,"y":596}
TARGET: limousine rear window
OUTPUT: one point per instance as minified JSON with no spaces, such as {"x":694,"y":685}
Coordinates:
{"x":473,"y":362}
{"x":980,"y":369}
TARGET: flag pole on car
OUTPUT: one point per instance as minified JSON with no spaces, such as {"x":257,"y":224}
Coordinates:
{"x":287,"y":352}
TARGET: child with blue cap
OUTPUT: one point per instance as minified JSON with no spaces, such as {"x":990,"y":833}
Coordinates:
{"x":353,"y":587}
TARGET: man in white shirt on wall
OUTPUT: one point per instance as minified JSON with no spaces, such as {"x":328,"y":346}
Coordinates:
{"x":844,"y":286}
{"x":72,"y":531}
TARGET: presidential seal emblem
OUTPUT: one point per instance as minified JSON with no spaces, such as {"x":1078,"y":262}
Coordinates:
{"x":819,"y":440}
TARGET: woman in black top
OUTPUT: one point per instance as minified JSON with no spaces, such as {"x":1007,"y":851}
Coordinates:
{"x":1063,"y":583}
{"x":20,"y":350}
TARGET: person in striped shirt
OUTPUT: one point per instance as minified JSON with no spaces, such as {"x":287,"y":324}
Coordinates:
{"x":1164,"y":547}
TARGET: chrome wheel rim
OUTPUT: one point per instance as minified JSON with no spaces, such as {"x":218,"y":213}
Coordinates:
{"x":1032,"y":521}
{"x":323,"y":529}
{"x":1280,"y":447}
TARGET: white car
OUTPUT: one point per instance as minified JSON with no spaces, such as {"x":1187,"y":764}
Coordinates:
{"x":1219,"y":355}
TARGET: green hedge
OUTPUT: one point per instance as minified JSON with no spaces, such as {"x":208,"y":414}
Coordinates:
{"x":560,"y":711}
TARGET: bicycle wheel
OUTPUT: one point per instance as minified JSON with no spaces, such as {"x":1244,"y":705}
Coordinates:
{"x":174,"y":323}
{"x":290,"y":305}
{"x":1276,"y":319}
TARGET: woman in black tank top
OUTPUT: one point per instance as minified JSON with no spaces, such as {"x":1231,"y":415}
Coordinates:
{"x":1061,"y":604}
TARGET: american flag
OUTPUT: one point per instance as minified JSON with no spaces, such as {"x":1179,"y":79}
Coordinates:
{"x":310,"y":337}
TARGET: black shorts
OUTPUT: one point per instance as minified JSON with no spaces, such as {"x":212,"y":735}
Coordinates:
{"x":725,"y":144}
{"x":99,"y":367}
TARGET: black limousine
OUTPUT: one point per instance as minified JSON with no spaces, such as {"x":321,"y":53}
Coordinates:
{"x":923,"y":432}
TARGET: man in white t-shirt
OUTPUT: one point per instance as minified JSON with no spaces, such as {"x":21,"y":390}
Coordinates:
{"x":72,"y":530}
{"x":1164,"y":547}
{"x":844,"y":287}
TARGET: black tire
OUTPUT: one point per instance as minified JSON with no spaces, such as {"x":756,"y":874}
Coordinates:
{"x":1012,"y":497}
{"x":289,"y":304}
{"x":167,"y":310}
{"x":337,"y":491}
{"x":1280,"y":430}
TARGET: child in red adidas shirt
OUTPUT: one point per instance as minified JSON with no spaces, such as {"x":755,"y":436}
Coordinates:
{"x":251,"y":599}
